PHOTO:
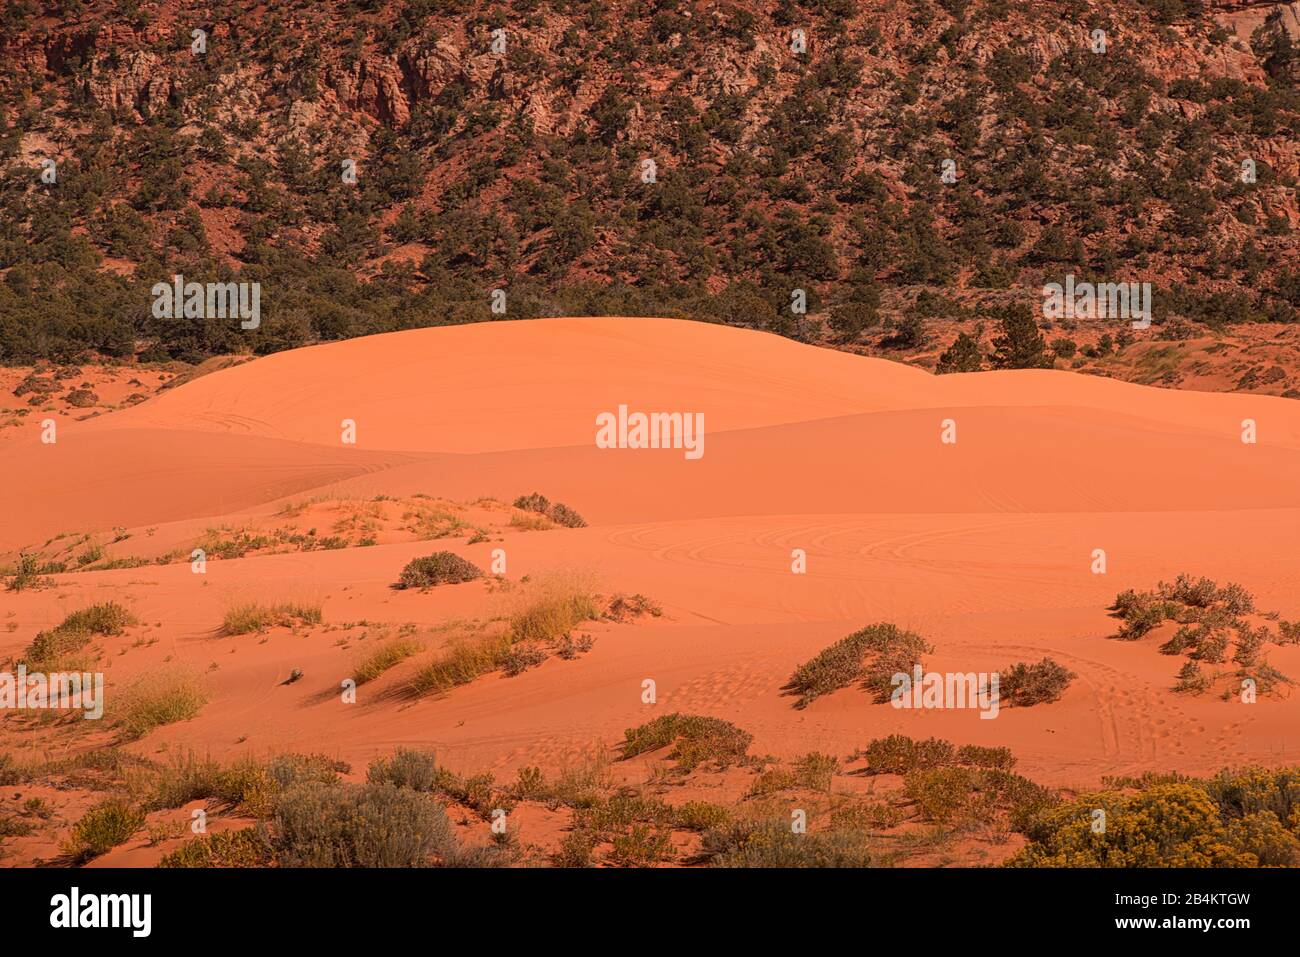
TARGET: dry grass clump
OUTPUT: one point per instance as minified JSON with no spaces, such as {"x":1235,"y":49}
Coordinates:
{"x":625,"y":608}
{"x":250,"y":617}
{"x":50,"y":650}
{"x":393,"y":652}
{"x":464,"y":659}
{"x":156,"y":698}
{"x":697,"y":739}
{"x":440,"y":568}
{"x":872,"y":655}
{"x":552,"y":607}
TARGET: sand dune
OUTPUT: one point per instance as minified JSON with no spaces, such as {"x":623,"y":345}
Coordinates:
{"x":984,"y":546}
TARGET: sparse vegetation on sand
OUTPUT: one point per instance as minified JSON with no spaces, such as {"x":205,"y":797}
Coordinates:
{"x":872,"y":656}
{"x":158,"y":697}
{"x":697,"y":739}
{"x":557,"y":512}
{"x":311,"y":818}
{"x":52,"y":650}
{"x":1217,"y":628}
{"x":30,"y":572}
{"x":440,"y":568}
{"x":899,"y":754}
{"x":249,"y":617}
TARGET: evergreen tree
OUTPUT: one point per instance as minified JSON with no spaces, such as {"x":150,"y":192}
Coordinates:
{"x":962,"y":356}
{"x":1021,"y":345}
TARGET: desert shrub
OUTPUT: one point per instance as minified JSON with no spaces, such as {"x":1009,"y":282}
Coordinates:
{"x":536,"y":502}
{"x":385,"y":656}
{"x":370,"y":825}
{"x":813,"y":771}
{"x":570,"y":647}
{"x":247,"y":847}
{"x":523,"y":656}
{"x":702,"y":816}
{"x":1000,"y":759}
{"x":1245,"y":792}
{"x":29,"y":573}
{"x":625,"y":608}
{"x":1192,"y":679}
{"x":530,"y":785}
{"x":1167,"y":825}
{"x":942,"y":795}
{"x":641,"y":845}
{"x":1024,"y":684}
{"x":1198,"y":593}
{"x":873,"y":655}
{"x":561,"y":514}
{"x":899,"y":754}
{"x":287,"y":770}
{"x":1262,"y":836}
{"x":440,"y":568}
{"x":574,"y":850}
{"x":48,"y":649}
{"x":102,"y":828}
{"x":606,"y":816}
{"x":697,"y":739}
{"x":182,"y":779}
{"x":417,"y":770}
{"x":866,"y":815}
{"x":248,"y":617}
{"x":156,"y":698}
{"x":773,"y":844}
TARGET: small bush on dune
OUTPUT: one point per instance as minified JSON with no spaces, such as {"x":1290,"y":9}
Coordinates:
{"x":872,"y":655}
{"x":697,"y":739}
{"x":557,"y":512}
{"x":417,"y":770}
{"x":536,"y":502}
{"x":249,"y":617}
{"x":103,"y":828}
{"x":48,"y":649}
{"x":1023,"y":684}
{"x":370,"y":825}
{"x":156,"y":698}
{"x":440,"y":568}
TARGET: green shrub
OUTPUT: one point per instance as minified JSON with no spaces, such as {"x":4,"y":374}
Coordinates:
{"x":49,"y":649}
{"x":104,"y":827}
{"x":156,"y":698}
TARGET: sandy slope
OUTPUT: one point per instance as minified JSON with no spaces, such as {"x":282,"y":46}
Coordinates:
{"x":983,"y":546}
